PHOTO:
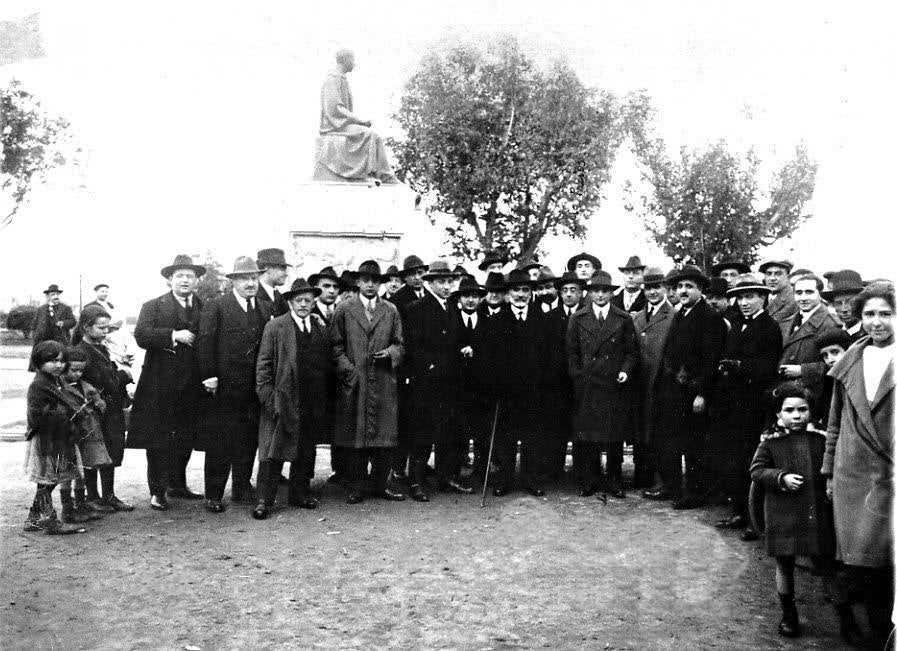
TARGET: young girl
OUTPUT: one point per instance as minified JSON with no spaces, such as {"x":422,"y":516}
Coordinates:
{"x":788,"y":465}
{"x":52,"y":456}
{"x":89,"y":405}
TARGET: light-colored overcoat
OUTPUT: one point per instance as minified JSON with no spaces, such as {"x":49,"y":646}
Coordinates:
{"x":783,"y":308}
{"x":652,"y":336}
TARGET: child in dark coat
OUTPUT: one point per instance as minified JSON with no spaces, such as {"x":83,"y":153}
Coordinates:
{"x":788,"y":464}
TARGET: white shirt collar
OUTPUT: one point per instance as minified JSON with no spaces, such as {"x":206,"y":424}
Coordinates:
{"x":269,"y":290}
{"x":242,"y":301}
{"x":299,"y":322}
{"x":368,"y":302}
{"x":182,"y":301}
{"x":472,"y":318}
{"x":521,"y":311}
{"x":855,"y":328}
{"x":324,"y":308}
{"x":601,"y":311}
{"x":807,"y":315}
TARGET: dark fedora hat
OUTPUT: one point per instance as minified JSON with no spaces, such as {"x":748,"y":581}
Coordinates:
{"x":244,"y":266}
{"x":525,"y":264}
{"x":740,"y":267}
{"x":632,"y":264}
{"x":271,"y":258}
{"x":461,"y":271}
{"x":493,"y":257}
{"x":326,"y":272}
{"x":393,"y":272}
{"x":53,"y":288}
{"x":846,"y":281}
{"x":370,"y":268}
{"x":517,"y":277}
{"x":182,"y":261}
{"x":301,"y":286}
{"x":470,"y":286}
{"x":831,"y":336}
{"x":348,"y":280}
{"x":746,"y":283}
{"x":571,"y":263}
{"x":601,"y":280}
{"x":569,"y":278}
{"x":716,"y":287}
{"x":96,"y":287}
{"x":784,"y":264}
{"x":689,"y":272}
{"x":495,"y":282}
{"x":412,"y":263}
{"x":653,"y":276}
{"x":438,"y":269}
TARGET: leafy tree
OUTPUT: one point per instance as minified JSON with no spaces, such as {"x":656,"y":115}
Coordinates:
{"x":213,"y":282}
{"x":708,"y":205}
{"x":21,"y":318}
{"x":33,"y":144}
{"x":512,"y":152}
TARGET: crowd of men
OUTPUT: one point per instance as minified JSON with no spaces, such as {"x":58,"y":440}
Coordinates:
{"x":392,"y":367}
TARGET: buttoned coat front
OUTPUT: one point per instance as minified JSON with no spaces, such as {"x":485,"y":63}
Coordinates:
{"x":651,"y":335}
{"x":366,"y":410}
{"x":799,"y":348}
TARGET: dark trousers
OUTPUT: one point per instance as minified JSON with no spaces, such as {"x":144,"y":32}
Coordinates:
{"x":166,"y":467}
{"x":521,"y":424}
{"x":644,"y":461}
{"x":448,"y":460}
{"x":587,"y":465}
{"x":402,"y":451}
{"x":233,"y":452}
{"x":671,"y":450}
{"x":475,"y":422}
{"x":357,"y":460}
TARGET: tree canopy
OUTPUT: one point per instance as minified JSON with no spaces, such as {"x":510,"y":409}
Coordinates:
{"x":512,"y":152}
{"x":212,"y":283}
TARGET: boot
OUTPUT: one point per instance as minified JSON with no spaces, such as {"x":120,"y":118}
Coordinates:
{"x":850,"y":632}
{"x":80,"y":500}
{"x":70,"y":514}
{"x":789,"y":626}
{"x":34,"y":514}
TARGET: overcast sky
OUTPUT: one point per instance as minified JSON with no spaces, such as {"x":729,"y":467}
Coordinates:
{"x":200,"y":118}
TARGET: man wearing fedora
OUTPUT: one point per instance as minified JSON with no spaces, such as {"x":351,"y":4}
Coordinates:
{"x":393,"y":282}
{"x":631,"y":298}
{"x":602,"y":358}
{"x":689,"y":363}
{"x":546,"y":293}
{"x":729,"y":270}
{"x":230,"y":331}
{"x":781,"y":305}
{"x":169,"y":400}
{"x":273,"y":264}
{"x":584,"y":265}
{"x":493,"y":262}
{"x":844,"y":285}
{"x":496,"y":295}
{"x":293,"y":375}
{"x":366,"y":334}
{"x":530,"y":265}
{"x":433,"y":346}
{"x":54,"y":320}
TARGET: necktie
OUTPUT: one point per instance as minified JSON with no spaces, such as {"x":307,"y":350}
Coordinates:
{"x":302,"y":326}
{"x":648,"y":314}
{"x":798,"y":321}
{"x":251,"y":316}
{"x":601,"y":319}
{"x":520,"y":316}
{"x":369,"y":311}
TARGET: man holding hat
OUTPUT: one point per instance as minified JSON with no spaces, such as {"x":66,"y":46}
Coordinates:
{"x":54,"y":320}
{"x":631,"y":298}
{"x":602,"y":357}
{"x":844,"y":285}
{"x":781,"y":305}
{"x":688,"y":371}
{"x":230,"y":331}
{"x":293,"y":375}
{"x":274,"y":265}
{"x":366,"y":334}
{"x":169,"y":400}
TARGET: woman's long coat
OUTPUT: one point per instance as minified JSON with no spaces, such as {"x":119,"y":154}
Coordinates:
{"x":367,"y":406}
{"x":859,"y":457}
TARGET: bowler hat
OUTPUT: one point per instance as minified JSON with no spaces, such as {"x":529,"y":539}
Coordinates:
{"x":326,"y":272}
{"x":747,"y":283}
{"x":493,"y":257}
{"x":831,"y":336}
{"x":495,"y":282}
{"x":393,"y":272}
{"x":411,"y":263}
{"x":301,"y":286}
{"x":716,"y":287}
{"x":568,"y":278}
{"x":470,"y":286}
{"x":653,"y":276}
{"x":601,"y":280}
{"x":784,"y":264}
{"x":438,"y":269}
{"x":688,"y":272}
{"x":244,"y":266}
{"x":370,"y":268}
{"x":740,"y":267}
{"x":632,"y":264}
{"x":571,"y":263}
{"x":517,"y":277}
{"x":182,"y":261}
{"x":53,"y":288}
{"x":96,"y":287}
{"x":271,"y":258}
{"x":347,"y":281}
{"x":846,"y":281}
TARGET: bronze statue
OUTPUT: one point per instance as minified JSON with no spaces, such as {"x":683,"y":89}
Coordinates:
{"x":347,"y":149}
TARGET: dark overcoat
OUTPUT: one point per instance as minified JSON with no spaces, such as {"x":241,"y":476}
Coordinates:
{"x":799,"y":347}
{"x":558,"y":399}
{"x":859,"y":457}
{"x":637,"y":305}
{"x":277,"y":306}
{"x":520,"y":363}
{"x":596,"y":355}
{"x":44,"y":328}
{"x":652,"y":337}
{"x":366,"y":397}
{"x":169,"y":395}
{"x":783,"y":308}
{"x":292,"y":384}
{"x":111,"y":382}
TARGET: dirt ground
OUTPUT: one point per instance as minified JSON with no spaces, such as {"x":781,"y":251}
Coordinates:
{"x":559,"y":572}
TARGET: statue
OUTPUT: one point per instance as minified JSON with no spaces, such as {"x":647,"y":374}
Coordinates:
{"x":347,"y":149}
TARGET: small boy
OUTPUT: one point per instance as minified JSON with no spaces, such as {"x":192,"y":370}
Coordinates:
{"x":831,"y":343}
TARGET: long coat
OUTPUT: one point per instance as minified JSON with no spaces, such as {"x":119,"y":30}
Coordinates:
{"x":519,"y":364}
{"x":366,"y":401}
{"x":44,"y":326}
{"x":277,"y":306}
{"x":800,"y":348}
{"x":169,"y":395}
{"x":639,"y":304}
{"x":292,"y":384}
{"x":783,"y":308}
{"x":859,"y":457}
{"x":112,"y":383}
{"x":652,"y":336}
{"x":595,"y":357}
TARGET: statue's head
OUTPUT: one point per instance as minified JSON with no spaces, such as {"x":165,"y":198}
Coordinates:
{"x":345,"y":59}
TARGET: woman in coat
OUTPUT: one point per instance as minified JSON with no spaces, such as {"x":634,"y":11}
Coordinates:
{"x":859,"y":455}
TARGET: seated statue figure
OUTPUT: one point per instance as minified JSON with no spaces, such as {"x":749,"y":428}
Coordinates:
{"x":347,"y":149}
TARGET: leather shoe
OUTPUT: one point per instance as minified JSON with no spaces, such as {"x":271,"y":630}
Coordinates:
{"x":500,"y":491}
{"x":117,"y":504}
{"x":749,"y":535}
{"x":659,"y":494}
{"x":260,"y":512}
{"x":616,"y":491}
{"x":735,"y":522}
{"x":305,"y":503}
{"x":158,"y":503}
{"x":215,"y":506}
{"x":355,"y":497}
{"x":536,"y":492}
{"x":418,"y":494}
{"x":391,"y":495}
{"x":399,"y":475}
{"x":454,"y":486}
{"x":587,"y":491}
{"x":184,"y":493}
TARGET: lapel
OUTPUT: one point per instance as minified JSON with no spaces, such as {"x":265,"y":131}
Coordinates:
{"x":379,"y":311}
{"x":288,"y":326}
{"x":611,"y":323}
{"x":808,"y":328}
{"x":850,"y":373}
{"x":356,"y":308}
{"x":884,"y":388}
{"x":168,"y":309}
{"x":662,"y":314}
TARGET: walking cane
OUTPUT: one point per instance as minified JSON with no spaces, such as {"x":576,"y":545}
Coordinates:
{"x":489,"y":458}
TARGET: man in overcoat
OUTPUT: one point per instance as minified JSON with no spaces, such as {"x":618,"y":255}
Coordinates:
{"x":366,"y":334}
{"x":54,"y":320}
{"x":169,"y":399}
{"x":781,"y":306}
{"x":230,"y":331}
{"x":274,"y":266}
{"x":846,"y":284}
{"x":632,"y":297}
{"x":689,"y":363}
{"x":293,"y":373}
{"x":602,"y":357}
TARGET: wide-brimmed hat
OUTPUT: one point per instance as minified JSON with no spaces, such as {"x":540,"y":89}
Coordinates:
{"x":653,"y":276}
{"x":326,"y":272}
{"x":517,"y":277}
{"x":546,"y":275}
{"x":784,"y":264}
{"x":739,"y":266}
{"x":689,"y":272}
{"x":716,"y":287}
{"x":182,"y":261}
{"x":747,"y":283}
{"x":96,"y":287}
{"x":461,"y":271}
{"x":525,"y":264}
{"x":348,"y":280}
{"x":271,"y":258}
{"x":493,"y":257}
{"x":470,"y":286}
{"x":601,"y":280}
{"x":244,"y":266}
{"x":301,"y":286}
{"x":438,"y":269}
{"x":846,"y":281}
{"x":495,"y":282}
{"x":571,"y":263}
{"x":632,"y":264}
{"x":411,"y":263}
{"x":567,"y":278}
{"x":392,"y":272}
{"x":370,"y":268}
{"x":832,"y":336}
{"x":53,"y":288}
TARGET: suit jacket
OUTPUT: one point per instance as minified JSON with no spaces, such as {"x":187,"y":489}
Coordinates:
{"x":637,"y":305}
{"x":404,"y":297}
{"x":782,"y":308}
{"x":475,"y":379}
{"x":692,"y":352}
{"x":44,"y":326}
{"x":276,"y":306}
{"x":520,"y":362}
{"x":169,"y":395}
{"x":800,"y":348}
{"x":652,"y":336}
